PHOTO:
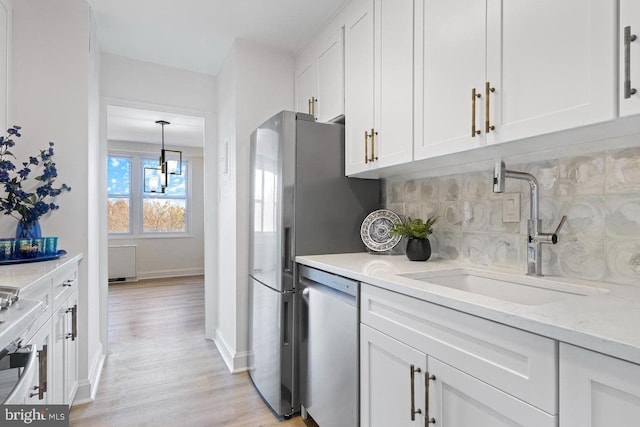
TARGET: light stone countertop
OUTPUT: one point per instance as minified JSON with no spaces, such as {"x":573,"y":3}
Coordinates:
{"x":607,"y":322}
{"x":23,"y":275}
{"x":16,"y":320}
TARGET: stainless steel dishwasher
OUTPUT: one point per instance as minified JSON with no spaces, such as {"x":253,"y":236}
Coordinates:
{"x":329,"y":352}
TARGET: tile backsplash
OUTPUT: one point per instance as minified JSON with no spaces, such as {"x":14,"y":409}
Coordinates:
{"x":599,"y":193}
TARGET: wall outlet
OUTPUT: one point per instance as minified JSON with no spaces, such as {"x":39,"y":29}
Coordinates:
{"x":511,"y":207}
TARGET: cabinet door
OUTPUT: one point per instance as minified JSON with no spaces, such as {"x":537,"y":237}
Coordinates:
{"x":597,"y":390}
{"x":393,"y":96}
{"x":450,"y":63}
{"x":385,"y":381}
{"x":38,"y":392}
{"x":306,"y":89}
{"x":358,"y":88}
{"x":552,"y":64}
{"x":629,"y":57}
{"x":330,"y":96}
{"x":460,"y":400}
{"x":71,"y":348}
{"x":57,"y":356}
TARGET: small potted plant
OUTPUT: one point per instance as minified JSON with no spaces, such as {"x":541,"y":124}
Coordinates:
{"x":417,"y":233}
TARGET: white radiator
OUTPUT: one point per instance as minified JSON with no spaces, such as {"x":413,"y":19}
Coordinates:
{"x":122,"y":263}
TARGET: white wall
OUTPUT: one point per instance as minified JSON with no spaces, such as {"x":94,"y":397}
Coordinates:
{"x":127,"y":78}
{"x":255,"y":83}
{"x":53,"y":96}
{"x":138,"y":84}
{"x":174,"y":256}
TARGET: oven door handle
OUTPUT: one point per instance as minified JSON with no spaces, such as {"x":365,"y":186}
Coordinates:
{"x":21,"y":389}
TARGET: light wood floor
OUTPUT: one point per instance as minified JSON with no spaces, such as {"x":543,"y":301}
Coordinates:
{"x":162,"y":372}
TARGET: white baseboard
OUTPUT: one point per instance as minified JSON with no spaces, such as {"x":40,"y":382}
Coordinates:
{"x":236,"y":362}
{"x":178,"y":272}
{"x":88,"y":387}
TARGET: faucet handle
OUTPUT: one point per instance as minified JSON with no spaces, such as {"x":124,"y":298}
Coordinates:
{"x":554,"y":237}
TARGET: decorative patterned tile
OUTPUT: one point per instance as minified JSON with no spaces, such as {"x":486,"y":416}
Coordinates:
{"x":450,"y":188}
{"x":411,"y":191}
{"x":395,"y":192}
{"x":623,"y":261}
{"x":429,"y":189}
{"x":397,"y":208}
{"x":623,"y":171}
{"x":450,"y":218}
{"x":412,"y":210}
{"x":546,"y":174}
{"x":581,"y":175}
{"x":622,"y":215}
{"x":477,"y":186}
{"x":581,"y":258}
{"x":429,"y":210}
{"x":447,"y":244}
{"x":491,"y":249}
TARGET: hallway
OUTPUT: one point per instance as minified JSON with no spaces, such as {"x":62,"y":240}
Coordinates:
{"x":161,"y":371}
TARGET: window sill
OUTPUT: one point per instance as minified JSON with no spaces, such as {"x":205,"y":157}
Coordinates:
{"x":150,"y":236}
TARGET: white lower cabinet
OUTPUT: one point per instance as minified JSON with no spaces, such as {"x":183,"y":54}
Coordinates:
{"x":419,"y":360}
{"x":388,"y":384}
{"x":597,"y":390}
{"x":457,"y":399}
{"x":55,"y":335}
{"x":39,"y":388}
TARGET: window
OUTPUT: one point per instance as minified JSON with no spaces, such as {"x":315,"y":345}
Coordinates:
{"x":132,"y":211}
{"x":119,"y":194}
{"x":165,"y":212}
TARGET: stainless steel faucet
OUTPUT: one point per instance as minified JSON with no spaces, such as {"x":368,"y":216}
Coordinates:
{"x":535,"y":237}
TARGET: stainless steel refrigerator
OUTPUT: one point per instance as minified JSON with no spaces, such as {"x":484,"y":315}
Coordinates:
{"x":301,"y":204}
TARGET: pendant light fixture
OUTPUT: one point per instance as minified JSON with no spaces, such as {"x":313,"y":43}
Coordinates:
{"x":156,"y":180}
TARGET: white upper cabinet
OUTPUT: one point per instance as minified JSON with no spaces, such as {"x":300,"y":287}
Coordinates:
{"x":379,"y":85}
{"x":306,"y":89}
{"x":629,"y":57}
{"x":358,"y":46}
{"x":450,"y":65}
{"x":492,"y":72}
{"x":320,"y":81}
{"x":552,"y":64}
{"x":330,"y":98}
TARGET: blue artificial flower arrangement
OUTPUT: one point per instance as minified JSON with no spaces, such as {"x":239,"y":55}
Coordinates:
{"x":27,"y":205}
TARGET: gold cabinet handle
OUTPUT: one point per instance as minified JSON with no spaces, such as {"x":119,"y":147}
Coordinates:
{"x":414,"y":411}
{"x":427,"y":419}
{"x":474,"y":95}
{"x":312,"y":106}
{"x":488,"y":127}
{"x":366,"y":147}
{"x":628,"y":38}
{"x":373,"y":146}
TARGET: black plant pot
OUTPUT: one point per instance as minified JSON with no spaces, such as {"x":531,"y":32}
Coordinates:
{"x":418,"y":249}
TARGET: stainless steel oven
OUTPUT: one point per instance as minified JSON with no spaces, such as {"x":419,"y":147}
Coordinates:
{"x":18,"y":361}
{"x":18,"y":366}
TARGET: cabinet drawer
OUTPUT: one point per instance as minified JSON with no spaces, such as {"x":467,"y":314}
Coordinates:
{"x":519,"y":363}
{"x":63,"y":284}
{"x":39,"y":291}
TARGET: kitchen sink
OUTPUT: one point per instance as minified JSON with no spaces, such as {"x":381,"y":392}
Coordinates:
{"x":523,"y":290}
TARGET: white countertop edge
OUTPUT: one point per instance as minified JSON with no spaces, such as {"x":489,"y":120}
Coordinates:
{"x":24,"y":275}
{"x":522,"y":317}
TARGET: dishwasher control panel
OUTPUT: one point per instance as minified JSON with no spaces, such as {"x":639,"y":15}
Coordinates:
{"x":339,"y":283}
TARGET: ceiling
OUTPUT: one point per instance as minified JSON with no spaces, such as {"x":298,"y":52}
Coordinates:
{"x":196,"y":34}
{"x":133,"y":124}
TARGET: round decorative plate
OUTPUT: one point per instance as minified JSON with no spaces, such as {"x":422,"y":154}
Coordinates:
{"x":376,"y":230}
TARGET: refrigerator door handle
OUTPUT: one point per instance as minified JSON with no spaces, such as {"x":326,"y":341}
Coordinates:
{"x":285,"y":324}
{"x":288,"y":264}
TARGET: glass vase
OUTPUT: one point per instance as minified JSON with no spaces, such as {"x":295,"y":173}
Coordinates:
{"x":28,"y":230}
